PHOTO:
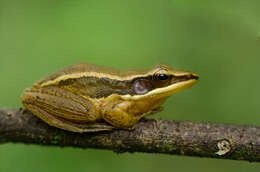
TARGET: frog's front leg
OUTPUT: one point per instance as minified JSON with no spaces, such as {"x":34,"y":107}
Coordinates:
{"x":120,"y":115}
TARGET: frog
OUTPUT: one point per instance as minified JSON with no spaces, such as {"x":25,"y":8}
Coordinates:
{"x":90,"y":98}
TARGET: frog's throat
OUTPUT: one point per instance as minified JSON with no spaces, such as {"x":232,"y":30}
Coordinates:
{"x":163,"y":92}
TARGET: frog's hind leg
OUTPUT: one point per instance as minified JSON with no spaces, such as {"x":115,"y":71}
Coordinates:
{"x":63,"y":109}
{"x":68,"y":125}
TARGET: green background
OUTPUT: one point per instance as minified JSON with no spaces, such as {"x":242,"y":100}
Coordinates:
{"x":219,"y":40}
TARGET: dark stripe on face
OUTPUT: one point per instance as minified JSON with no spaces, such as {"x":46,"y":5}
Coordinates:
{"x":97,"y":87}
{"x":102,"y":87}
{"x":177,"y":79}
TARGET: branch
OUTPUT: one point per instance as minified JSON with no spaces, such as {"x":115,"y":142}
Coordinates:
{"x":235,"y":142}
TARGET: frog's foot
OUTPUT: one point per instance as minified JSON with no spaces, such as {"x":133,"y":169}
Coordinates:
{"x":95,"y":127}
{"x":130,"y":128}
{"x":153,"y":111}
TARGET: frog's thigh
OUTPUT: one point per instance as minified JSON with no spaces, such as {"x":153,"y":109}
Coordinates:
{"x":54,"y":107}
{"x":67,"y":125}
{"x":119,"y":116}
{"x":61,"y":103}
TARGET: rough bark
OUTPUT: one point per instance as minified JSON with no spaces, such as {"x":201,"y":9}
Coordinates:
{"x":235,"y":142}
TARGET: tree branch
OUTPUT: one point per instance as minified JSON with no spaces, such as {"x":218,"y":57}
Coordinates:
{"x":235,"y":142}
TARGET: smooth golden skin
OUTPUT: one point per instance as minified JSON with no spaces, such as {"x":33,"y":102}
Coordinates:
{"x":89,"y":98}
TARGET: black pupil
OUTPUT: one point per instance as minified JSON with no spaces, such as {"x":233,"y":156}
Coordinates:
{"x":162,"y":76}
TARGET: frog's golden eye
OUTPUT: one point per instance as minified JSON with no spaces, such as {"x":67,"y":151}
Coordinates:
{"x":161,"y":75}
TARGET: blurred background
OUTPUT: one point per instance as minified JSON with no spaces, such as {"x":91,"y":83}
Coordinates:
{"x":219,"y":40}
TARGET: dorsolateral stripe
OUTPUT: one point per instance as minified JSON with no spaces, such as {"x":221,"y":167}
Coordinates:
{"x":90,"y":74}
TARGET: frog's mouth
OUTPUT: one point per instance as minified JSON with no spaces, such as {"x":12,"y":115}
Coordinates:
{"x":178,"y":83}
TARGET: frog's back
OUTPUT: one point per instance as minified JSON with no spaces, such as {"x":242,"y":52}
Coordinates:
{"x":85,"y":67}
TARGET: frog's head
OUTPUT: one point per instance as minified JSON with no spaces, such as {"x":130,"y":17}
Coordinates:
{"x":160,"y":82}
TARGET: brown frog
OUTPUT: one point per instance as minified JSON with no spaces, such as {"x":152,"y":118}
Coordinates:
{"x":89,"y":98}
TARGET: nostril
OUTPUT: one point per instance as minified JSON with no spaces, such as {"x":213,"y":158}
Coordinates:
{"x":194,"y":76}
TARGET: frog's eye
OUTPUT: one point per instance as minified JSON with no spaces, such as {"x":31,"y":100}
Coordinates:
{"x":161,"y":75}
